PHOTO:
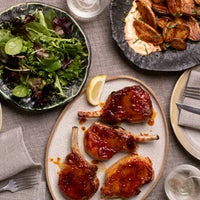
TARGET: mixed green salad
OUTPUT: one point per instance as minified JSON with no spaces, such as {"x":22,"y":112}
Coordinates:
{"x":39,"y":57}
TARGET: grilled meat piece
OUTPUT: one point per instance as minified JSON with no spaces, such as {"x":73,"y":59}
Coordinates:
{"x":125,"y":177}
{"x":78,"y":179}
{"x":131,"y":104}
{"x":102,"y":142}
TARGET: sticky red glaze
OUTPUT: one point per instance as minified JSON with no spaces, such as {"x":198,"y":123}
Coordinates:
{"x":102,"y":142}
{"x":128,"y":178}
{"x":152,"y":120}
{"x":131,"y":103}
{"x":95,"y":162}
{"x":76,"y":179}
{"x":82,"y":120}
{"x":101,"y":104}
{"x":83,"y":128}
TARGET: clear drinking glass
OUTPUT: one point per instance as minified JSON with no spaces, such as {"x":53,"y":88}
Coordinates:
{"x":183,"y":183}
{"x":86,"y":9}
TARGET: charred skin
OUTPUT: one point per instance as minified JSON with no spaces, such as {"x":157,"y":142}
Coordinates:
{"x":126,"y":176}
{"x":160,"y":8}
{"x":147,"y":33}
{"x":131,"y":104}
{"x":178,"y":44}
{"x":77,"y":179}
{"x":146,"y":13}
{"x":175,"y":7}
{"x":102,"y":142}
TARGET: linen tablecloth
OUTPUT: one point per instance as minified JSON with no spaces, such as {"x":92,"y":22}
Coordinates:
{"x":106,"y":59}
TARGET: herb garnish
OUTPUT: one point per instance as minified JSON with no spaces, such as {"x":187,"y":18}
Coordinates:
{"x":140,"y":18}
{"x":173,"y":26}
{"x":122,"y":20}
{"x":136,"y":40}
{"x":146,"y":49}
{"x":177,"y":14}
{"x":125,"y":13}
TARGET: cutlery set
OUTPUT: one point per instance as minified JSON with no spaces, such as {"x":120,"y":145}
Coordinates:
{"x":20,"y":183}
{"x":194,"y":93}
{"x":189,"y":108}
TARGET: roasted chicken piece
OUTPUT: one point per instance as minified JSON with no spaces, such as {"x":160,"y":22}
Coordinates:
{"x":102,"y":142}
{"x":132,"y":104}
{"x":78,"y":179}
{"x":125,"y":177}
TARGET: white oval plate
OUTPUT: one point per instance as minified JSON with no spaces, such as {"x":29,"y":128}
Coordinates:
{"x":59,"y":144}
{"x":189,"y":138}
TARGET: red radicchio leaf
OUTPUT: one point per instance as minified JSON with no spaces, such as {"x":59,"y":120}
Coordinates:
{"x":29,"y":18}
{"x":41,"y":54}
{"x":18,"y":26}
{"x":59,"y":21}
{"x":66,"y":27}
{"x":66,"y":63}
{"x":44,"y":96}
{"x":59,"y":30}
{"x":63,"y":23}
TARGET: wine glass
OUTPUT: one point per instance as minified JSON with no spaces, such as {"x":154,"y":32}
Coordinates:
{"x":86,"y":9}
{"x":183,"y":183}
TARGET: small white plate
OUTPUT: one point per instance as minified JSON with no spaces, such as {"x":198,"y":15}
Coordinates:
{"x":188,"y":137}
{"x":59,"y":144}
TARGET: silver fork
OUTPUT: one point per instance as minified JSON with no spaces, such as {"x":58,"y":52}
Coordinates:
{"x":192,"y":92}
{"x":21,"y":183}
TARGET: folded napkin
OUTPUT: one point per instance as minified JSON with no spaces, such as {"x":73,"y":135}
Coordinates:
{"x":187,"y":118}
{"x":15,"y":161}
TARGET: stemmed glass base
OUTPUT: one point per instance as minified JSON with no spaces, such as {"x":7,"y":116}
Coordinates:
{"x":86,"y":9}
{"x":183,"y":183}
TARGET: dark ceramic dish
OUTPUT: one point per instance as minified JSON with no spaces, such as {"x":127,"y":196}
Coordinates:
{"x":77,"y":85}
{"x":169,"y":60}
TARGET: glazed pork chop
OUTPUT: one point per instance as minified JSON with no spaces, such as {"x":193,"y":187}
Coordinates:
{"x":102,"y":142}
{"x":131,"y":104}
{"x":125,"y":177}
{"x":78,"y":179}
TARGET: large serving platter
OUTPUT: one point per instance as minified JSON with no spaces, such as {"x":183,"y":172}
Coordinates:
{"x":188,"y":137}
{"x":169,"y":60}
{"x":74,"y":89}
{"x":59,"y":144}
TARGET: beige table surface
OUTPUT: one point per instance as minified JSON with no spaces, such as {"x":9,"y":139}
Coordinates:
{"x":106,"y":59}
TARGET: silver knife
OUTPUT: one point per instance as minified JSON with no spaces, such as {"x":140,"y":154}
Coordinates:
{"x":189,"y":108}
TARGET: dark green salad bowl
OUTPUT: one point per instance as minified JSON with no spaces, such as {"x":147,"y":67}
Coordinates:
{"x":73,"y":78}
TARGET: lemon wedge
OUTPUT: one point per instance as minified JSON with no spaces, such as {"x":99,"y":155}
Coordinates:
{"x":95,"y":89}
